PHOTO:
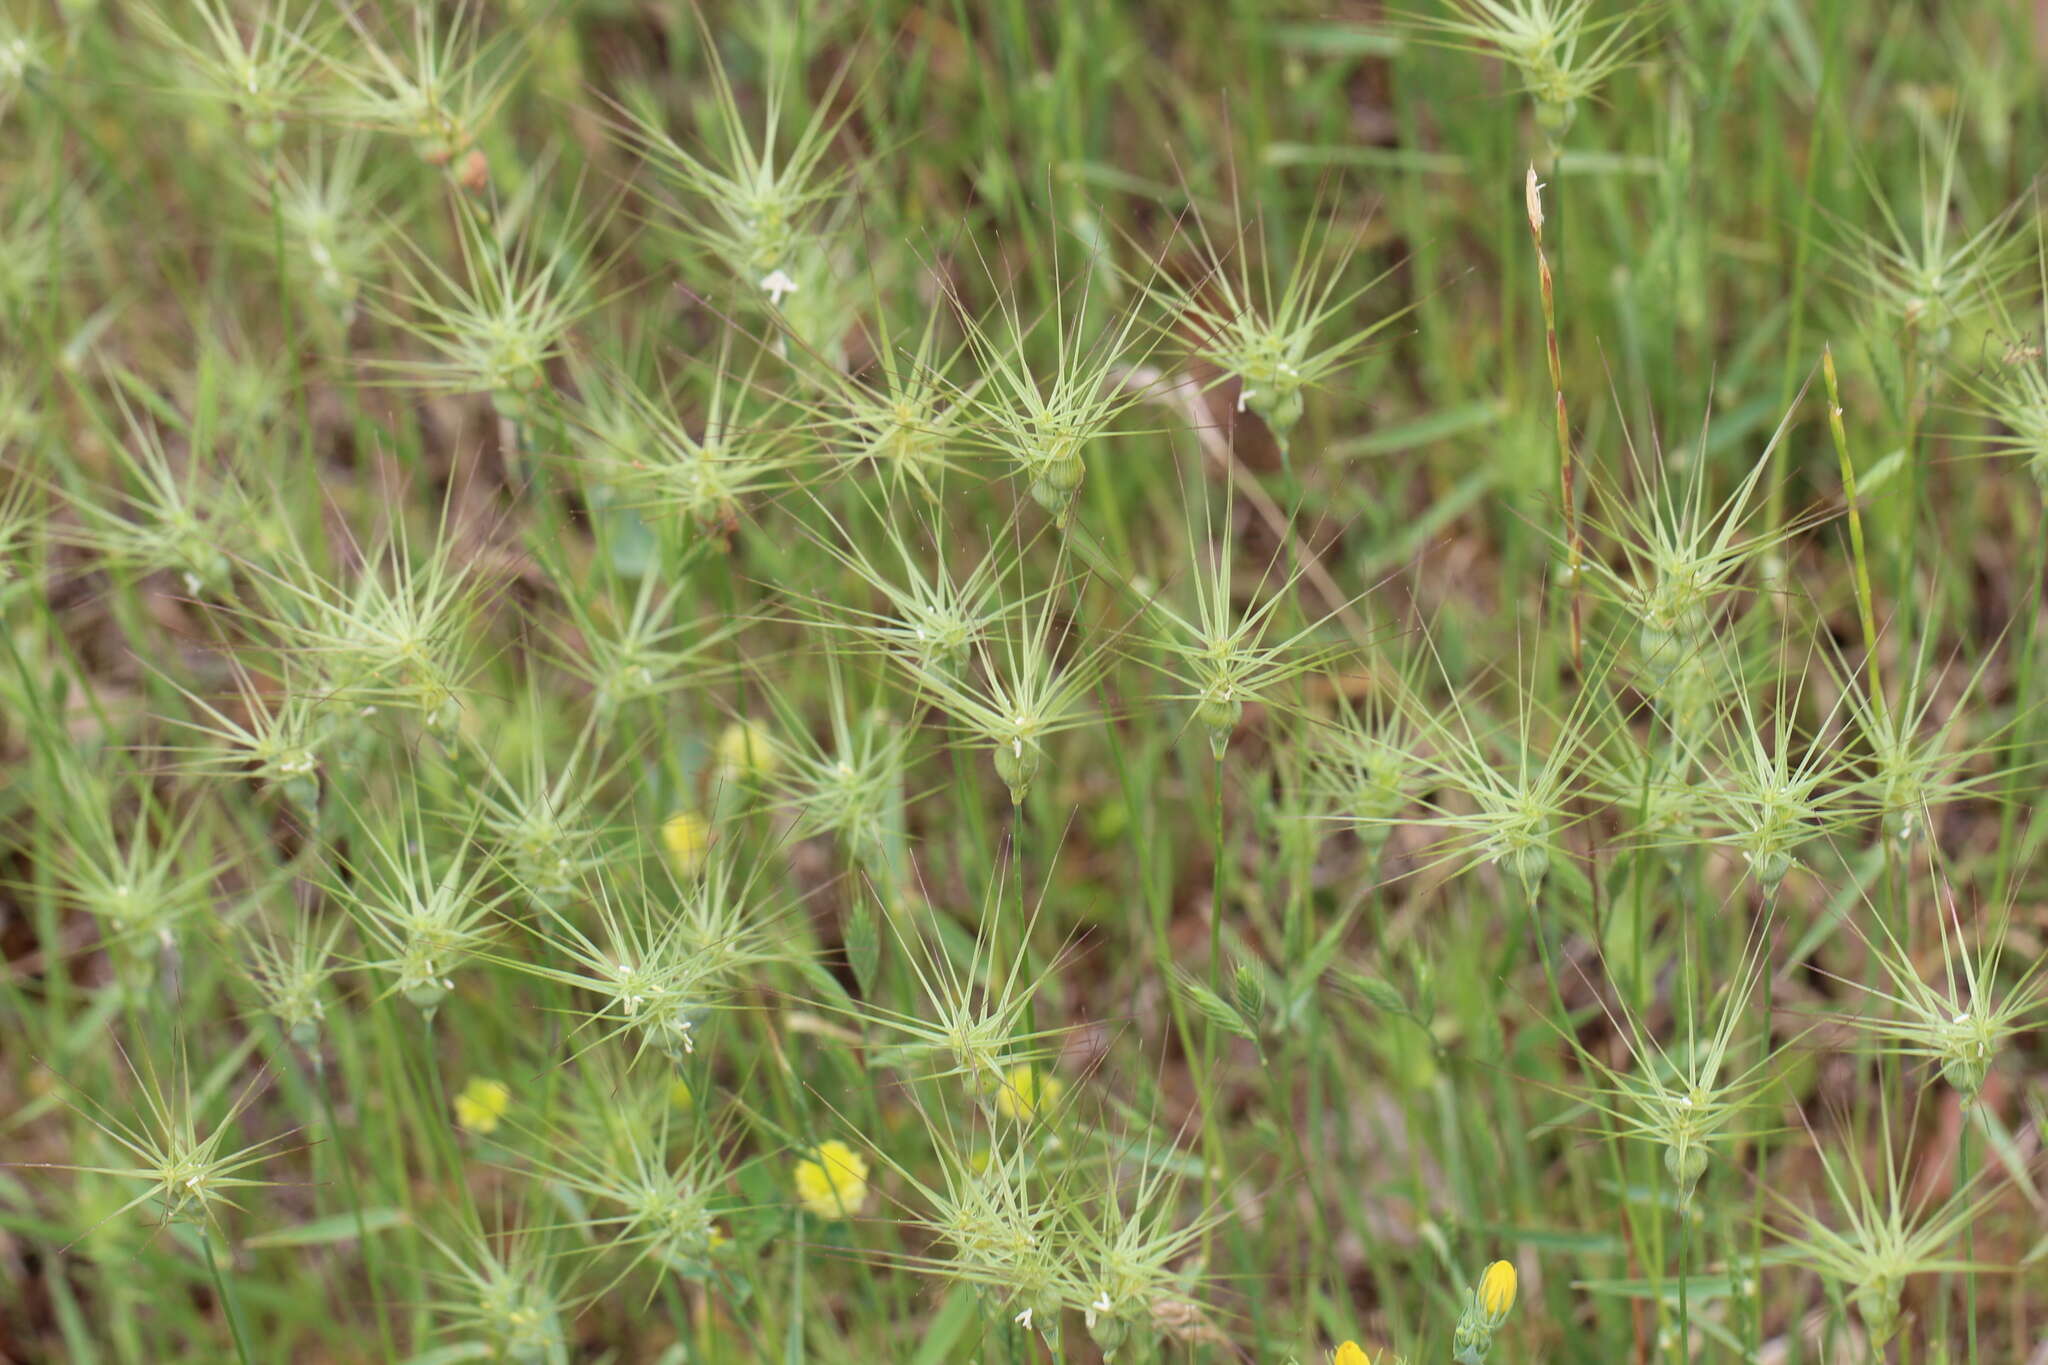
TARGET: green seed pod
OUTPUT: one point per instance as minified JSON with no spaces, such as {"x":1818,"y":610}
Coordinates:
{"x":1877,"y":1303}
{"x":1967,"y":1047}
{"x":1770,"y":866}
{"x":302,"y":792}
{"x":1966,"y":1075}
{"x":1530,"y":864}
{"x":263,"y":132}
{"x":1219,"y":715}
{"x":1017,"y":764}
{"x":672,"y":1031}
{"x":1554,"y":117}
{"x":1279,"y":406}
{"x":1042,"y":1315}
{"x":1686,"y":1162}
{"x":424,"y":993}
{"x":1111,"y":1333}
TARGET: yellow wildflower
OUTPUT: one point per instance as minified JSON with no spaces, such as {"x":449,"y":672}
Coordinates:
{"x":481,"y":1104}
{"x":745,"y":750}
{"x":1026,"y":1091}
{"x":687,"y":837}
{"x":1497,"y":1291}
{"x":833,"y":1183}
{"x":1351,"y":1353}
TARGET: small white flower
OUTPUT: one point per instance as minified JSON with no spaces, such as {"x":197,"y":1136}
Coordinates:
{"x":1023,"y":1319}
{"x":777,"y":283}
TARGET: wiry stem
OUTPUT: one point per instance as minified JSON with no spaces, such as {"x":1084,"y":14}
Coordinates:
{"x":227,"y":1300}
{"x":1864,"y":609}
{"x":1969,"y":1240}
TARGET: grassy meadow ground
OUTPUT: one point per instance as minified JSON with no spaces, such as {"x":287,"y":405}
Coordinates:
{"x":1023,"y":681}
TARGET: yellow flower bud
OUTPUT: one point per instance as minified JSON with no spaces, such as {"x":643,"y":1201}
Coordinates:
{"x":1497,"y":1290}
{"x":1026,"y":1091}
{"x":834,"y":1182}
{"x":1350,"y":1353}
{"x":687,"y":838}
{"x":481,"y":1104}
{"x":745,"y":750}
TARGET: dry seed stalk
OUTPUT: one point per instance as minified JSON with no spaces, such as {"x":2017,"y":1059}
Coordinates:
{"x":1567,"y":473}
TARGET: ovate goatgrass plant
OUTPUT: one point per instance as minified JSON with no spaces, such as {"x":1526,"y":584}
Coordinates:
{"x":257,"y":69}
{"x":43,"y":240}
{"x":1561,"y":51}
{"x":399,"y":635}
{"x":1966,"y":1018}
{"x":21,"y":518}
{"x":189,"y":1169}
{"x":2009,"y":384}
{"x":1916,"y":759}
{"x":1885,"y":1230}
{"x":1045,"y":415}
{"x":996,"y":1211}
{"x":142,"y":873}
{"x":168,"y":512}
{"x":657,"y":959}
{"x":546,"y":823}
{"x":291,"y":973}
{"x":1277,"y":343}
{"x":850,"y":787}
{"x":1365,"y":764}
{"x":904,"y":415}
{"x":424,"y":915}
{"x":1503,"y":798}
{"x":617,"y":1147}
{"x":439,"y":85}
{"x":327,"y":202}
{"x":753,"y":203}
{"x":1772,"y":789}
{"x":274,"y":735}
{"x":23,"y":59}
{"x":1920,"y":273}
{"x":497,"y":326}
{"x":1685,"y":1100}
{"x":972,"y":1022}
{"x":1682,"y":565}
{"x":929,"y":616}
{"x":1022,"y":691}
{"x":1224,"y":656}
{"x":1125,"y":1266}
{"x":643,"y":651}
{"x":503,"y":1294}
{"x":703,"y":472}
